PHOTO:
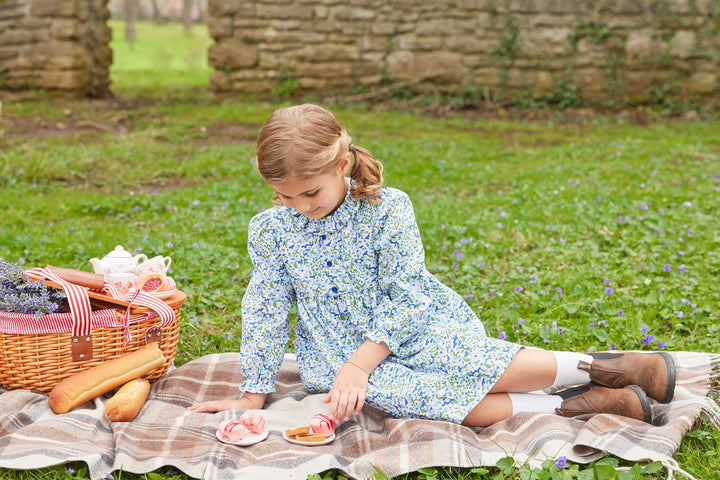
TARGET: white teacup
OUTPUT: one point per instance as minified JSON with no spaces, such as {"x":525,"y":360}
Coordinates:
{"x":158,"y":264}
{"x":122,"y":281}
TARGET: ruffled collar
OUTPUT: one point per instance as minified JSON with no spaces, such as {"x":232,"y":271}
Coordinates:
{"x":333,"y":223}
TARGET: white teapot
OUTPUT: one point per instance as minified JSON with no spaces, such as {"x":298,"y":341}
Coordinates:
{"x":117,"y":261}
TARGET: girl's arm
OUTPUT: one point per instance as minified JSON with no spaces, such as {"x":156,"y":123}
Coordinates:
{"x":347,"y":395}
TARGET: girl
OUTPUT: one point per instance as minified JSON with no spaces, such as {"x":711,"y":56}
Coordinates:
{"x":373,"y":324}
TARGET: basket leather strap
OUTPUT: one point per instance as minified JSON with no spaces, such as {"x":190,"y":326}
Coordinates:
{"x":80,"y":311}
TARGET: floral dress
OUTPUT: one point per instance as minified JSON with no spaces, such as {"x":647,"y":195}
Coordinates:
{"x":360,"y":274}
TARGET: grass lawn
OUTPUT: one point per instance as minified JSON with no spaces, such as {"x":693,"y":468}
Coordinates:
{"x":565,"y":234}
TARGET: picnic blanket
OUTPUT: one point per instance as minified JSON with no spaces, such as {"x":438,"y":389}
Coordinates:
{"x":165,"y":433}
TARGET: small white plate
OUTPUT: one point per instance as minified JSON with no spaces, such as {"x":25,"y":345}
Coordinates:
{"x":163,"y":295}
{"x":310,"y":444}
{"x":250,"y":439}
{"x":160,"y":295}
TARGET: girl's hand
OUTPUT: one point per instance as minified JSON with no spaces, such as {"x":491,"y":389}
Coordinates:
{"x":248,"y":401}
{"x":347,"y":395}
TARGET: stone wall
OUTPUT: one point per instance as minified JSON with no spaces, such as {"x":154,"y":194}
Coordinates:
{"x":610,"y":51}
{"x":59,"y":46}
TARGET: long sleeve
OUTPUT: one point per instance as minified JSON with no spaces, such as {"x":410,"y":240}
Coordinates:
{"x":401,"y":304}
{"x":265,"y":308}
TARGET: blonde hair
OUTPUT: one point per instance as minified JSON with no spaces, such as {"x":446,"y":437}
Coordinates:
{"x":306,"y":141}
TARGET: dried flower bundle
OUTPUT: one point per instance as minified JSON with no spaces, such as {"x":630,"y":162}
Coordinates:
{"x":19,"y":294}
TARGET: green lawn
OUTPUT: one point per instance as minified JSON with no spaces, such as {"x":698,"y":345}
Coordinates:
{"x":579,"y":235}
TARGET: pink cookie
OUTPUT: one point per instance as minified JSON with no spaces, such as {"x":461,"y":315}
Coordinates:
{"x":253,"y":421}
{"x":322,"y":423}
{"x":231,"y":430}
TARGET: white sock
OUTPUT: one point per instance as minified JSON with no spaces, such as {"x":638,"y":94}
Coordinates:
{"x":567,"y":372}
{"x":534,"y":402}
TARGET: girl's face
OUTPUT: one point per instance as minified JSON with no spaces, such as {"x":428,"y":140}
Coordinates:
{"x":315,"y":197}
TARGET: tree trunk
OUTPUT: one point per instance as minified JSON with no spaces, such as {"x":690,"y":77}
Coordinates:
{"x":155,"y":11}
{"x":187,"y":15}
{"x":130,"y":20}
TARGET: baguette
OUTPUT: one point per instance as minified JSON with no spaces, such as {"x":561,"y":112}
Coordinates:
{"x":128,"y":401}
{"x":93,"y":382}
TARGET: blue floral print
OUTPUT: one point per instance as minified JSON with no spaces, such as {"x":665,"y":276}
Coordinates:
{"x":360,"y":274}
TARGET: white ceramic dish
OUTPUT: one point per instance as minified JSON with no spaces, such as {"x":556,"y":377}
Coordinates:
{"x":160,"y":295}
{"x":249,"y":439}
{"x":163,"y":295}
{"x":310,"y":444}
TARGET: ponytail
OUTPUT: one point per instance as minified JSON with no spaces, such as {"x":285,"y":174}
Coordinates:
{"x":366,"y":175}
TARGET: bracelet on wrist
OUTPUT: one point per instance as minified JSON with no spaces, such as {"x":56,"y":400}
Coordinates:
{"x":358,"y":366}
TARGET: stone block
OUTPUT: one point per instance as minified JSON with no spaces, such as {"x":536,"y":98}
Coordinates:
{"x":220,"y":27}
{"x":682,"y":44}
{"x":54,"y":8}
{"x":590,"y":81}
{"x":643,"y":44}
{"x":329,"y":52}
{"x":65,"y":29}
{"x":64,"y":55}
{"x":221,"y":8}
{"x":703,"y":82}
{"x":552,"y":6}
{"x":331,"y":69}
{"x":63,"y":79}
{"x":231,"y":54}
{"x":544,"y":42}
{"x":283,"y":11}
{"x":406,"y":65}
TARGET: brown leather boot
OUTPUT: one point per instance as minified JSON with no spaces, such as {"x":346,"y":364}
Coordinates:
{"x":653,"y":372}
{"x":630,"y":401}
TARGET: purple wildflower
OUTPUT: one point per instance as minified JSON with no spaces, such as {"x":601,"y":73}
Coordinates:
{"x":502,"y":335}
{"x":621,"y":313}
{"x":661,"y":345}
{"x":561,"y":461}
{"x":606,"y":281}
{"x":609,"y":290}
{"x":680,"y":314}
{"x":521,"y":321}
{"x":648,"y":339}
{"x":519,"y":289}
{"x":560,"y":291}
{"x":644,"y":330}
{"x":666,"y":268}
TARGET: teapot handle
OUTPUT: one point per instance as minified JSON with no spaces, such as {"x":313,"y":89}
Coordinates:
{"x":140,"y":256}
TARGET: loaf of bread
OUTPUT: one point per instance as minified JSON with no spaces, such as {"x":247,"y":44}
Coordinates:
{"x":128,"y":401}
{"x":93,"y":382}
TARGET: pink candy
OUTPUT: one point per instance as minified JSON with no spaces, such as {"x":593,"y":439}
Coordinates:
{"x":253,"y":421}
{"x":231,"y":430}
{"x":322,"y":423}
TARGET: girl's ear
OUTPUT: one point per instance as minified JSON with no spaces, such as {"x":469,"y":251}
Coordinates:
{"x":344,"y":164}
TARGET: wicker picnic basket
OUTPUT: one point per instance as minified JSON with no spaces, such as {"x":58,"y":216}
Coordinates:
{"x":62,"y":344}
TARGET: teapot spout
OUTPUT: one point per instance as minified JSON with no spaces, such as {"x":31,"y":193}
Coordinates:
{"x":97,"y":265}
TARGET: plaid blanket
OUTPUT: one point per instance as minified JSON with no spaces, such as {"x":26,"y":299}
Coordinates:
{"x":165,"y":433}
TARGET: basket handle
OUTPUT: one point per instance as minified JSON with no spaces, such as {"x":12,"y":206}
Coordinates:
{"x":80,"y":311}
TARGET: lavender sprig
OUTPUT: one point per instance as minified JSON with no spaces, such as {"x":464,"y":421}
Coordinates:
{"x":19,"y":294}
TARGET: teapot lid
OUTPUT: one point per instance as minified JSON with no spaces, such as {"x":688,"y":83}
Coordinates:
{"x":119,"y":252}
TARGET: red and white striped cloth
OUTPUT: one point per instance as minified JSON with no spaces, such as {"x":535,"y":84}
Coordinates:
{"x":81,"y":320}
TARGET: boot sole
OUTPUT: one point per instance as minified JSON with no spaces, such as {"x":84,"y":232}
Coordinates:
{"x":670,"y":390}
{"x":647,"y":411}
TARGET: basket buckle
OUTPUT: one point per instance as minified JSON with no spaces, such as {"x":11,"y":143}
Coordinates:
{"x":82,"y":348}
